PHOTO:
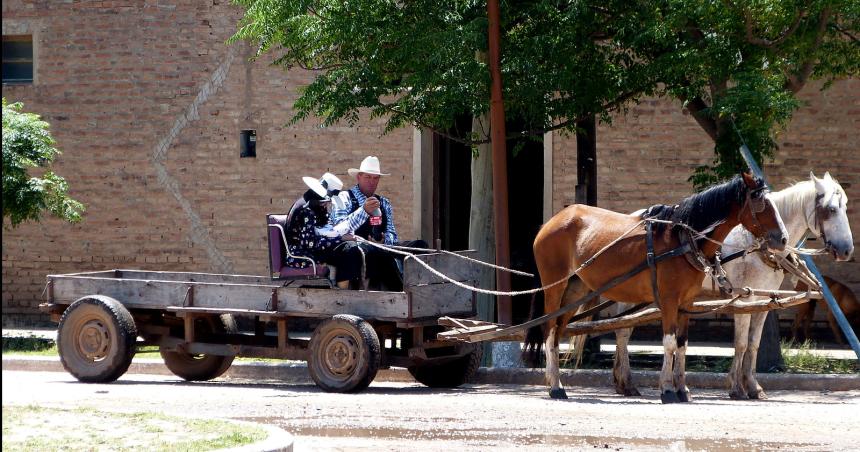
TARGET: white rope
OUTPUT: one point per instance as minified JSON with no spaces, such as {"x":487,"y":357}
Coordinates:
{"x":467,"y":258}
{"x":497,"y":292}
{"x":397,"y":250}
{"x":807,"y":251}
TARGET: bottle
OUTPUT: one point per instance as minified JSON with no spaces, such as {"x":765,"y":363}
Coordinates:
{"x":376,"y":224}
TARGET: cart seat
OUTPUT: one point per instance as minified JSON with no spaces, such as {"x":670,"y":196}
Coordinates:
{"x":278,"y":253}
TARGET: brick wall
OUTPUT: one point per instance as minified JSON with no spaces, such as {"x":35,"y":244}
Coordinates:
{"x":146,"y":102}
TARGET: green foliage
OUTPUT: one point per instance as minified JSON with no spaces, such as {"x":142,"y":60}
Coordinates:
{"x":801,"y":358}
{"x":28,"y":144}
{"x":423,"y":62}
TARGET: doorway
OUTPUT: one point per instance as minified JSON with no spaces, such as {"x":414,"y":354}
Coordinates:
{"x":452,"y":198}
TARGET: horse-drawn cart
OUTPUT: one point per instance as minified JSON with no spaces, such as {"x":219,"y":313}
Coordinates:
{"x":191,"y":318}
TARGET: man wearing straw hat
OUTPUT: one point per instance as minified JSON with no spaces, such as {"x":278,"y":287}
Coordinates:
{"x":371,"y":216}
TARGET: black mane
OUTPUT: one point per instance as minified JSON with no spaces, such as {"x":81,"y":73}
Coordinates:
{"x":703,"y":210}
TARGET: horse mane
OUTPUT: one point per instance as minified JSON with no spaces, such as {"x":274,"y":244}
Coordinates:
{"x":705,"y":210}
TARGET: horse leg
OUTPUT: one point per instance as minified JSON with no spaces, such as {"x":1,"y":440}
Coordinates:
{"x":754,"y":390}
{"x":553,"y":378}
{"x":680,"y":363}
{"x":622,"y":378}
{"x":735,"y":375}
{"x":670,"y":345}
{"x":555,"y":298}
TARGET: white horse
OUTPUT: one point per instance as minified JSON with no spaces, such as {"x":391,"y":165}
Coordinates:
{"x":818,"y":206}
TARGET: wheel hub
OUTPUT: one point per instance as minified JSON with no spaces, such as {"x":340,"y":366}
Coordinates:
{"x":341,"y":355}
{"x":94,"y":340}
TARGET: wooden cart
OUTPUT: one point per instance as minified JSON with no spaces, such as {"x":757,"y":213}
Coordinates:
{"x":104,"y":316}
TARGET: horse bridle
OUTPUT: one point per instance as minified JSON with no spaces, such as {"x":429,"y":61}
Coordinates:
{"x":822,"y":214}
{"x":756,"y":202}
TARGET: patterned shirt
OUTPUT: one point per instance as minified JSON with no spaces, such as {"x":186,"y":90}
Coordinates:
{"x":349,"y":218}
{"x":305,"y":240}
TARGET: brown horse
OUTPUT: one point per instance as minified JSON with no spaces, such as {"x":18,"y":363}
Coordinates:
{"x":848,"y":304}
{"x":579,"y":232}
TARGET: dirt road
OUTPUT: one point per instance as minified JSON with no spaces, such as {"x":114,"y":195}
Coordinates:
{"x":402,"y":416}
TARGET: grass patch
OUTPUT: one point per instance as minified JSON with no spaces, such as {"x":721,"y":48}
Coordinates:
{"x":799,"y":358}
{"x":39,"y":428}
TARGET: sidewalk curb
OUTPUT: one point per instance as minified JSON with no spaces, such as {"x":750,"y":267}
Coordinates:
{"x":278,"y":439}
{"x":297,"y":373}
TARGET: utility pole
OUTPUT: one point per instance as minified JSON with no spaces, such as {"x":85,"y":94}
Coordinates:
{"x":500,"y":164}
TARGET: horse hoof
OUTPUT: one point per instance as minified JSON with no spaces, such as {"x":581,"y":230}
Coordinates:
{"x":684,"y":396}
{"x":669,"y":397}
{"x":557,"y":394}
{"x":736,"y":395}
{"x":758,"y":395}
{"x":631,"y":392}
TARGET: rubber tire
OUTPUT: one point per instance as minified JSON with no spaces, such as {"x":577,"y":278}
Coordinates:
{"x":201,"y":367}
{"x":450,"y":374}
{"x":110,"y":337}
{"x":332,"y":337}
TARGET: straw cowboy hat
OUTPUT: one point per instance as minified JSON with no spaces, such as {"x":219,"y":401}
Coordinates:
{"x":369,"y":165}
{"x":331,"y":183}
{"x":316,"y":187}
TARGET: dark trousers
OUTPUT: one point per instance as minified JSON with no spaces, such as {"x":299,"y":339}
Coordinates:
{"x":347,"y":260}
{"x":385,"y":269}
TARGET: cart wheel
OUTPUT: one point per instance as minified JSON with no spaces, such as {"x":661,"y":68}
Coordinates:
{"x":344,"y":354}
{"x":193,"y":367}
{"x":449,"y":374}
{"x":96,"y":339}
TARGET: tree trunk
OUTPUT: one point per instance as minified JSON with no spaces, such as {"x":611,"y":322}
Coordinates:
{"x":482,"y":238}
{"x":769,"y":353}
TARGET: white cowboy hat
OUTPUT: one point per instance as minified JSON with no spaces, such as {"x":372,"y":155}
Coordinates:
{"x":369,"y":165}
{"x":316,"y":186}
{"x":331,"y":182}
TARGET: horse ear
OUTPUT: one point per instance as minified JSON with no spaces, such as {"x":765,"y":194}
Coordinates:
{"x":828,"y":177}
{"x":820,"y":188}
{"x":811,"y":176}
{"x":749,"y":180}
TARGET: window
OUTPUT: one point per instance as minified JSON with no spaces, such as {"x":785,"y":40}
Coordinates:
{"x":18,"y":59}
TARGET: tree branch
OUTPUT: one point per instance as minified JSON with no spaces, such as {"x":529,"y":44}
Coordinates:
{"x":795,"y":81}
{"x":752,"y":39}
{"x":697,"y":106}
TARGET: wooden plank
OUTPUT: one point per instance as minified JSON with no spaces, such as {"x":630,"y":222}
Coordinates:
{"x":133,"y":293}
{"x":197,"y":277}
{"x":327,"y":302}
{"x":436,"y":300}
{"x":455,"y":268}
{"x":477,"y":331}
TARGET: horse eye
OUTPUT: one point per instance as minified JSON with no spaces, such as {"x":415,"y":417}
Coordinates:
{"x":833,"y":210}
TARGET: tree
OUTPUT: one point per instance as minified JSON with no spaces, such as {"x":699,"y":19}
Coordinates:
{"x":738,"y":66}
{"x":419,"y":63}
{"x":27,"y":143}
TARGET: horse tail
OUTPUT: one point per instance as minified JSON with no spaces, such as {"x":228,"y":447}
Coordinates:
{"x":536,"y":335}
{"x":577,"y":343}
{"x":533,"y":345}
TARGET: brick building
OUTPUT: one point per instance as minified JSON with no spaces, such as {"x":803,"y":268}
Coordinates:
{"x":147,"y":103}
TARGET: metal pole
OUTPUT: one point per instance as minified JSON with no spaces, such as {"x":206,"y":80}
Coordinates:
{"x":828,"y":296}
{"x":500,"y":164}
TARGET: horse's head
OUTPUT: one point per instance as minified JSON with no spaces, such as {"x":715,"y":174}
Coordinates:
{"x":831,"y":217}
{"x":759,"y":215}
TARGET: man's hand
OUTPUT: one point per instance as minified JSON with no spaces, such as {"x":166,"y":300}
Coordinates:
{"x":371,"y":204}
{"x":348,"y":237}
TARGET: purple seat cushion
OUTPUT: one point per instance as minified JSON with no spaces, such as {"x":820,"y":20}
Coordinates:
{"x":277,"y":252}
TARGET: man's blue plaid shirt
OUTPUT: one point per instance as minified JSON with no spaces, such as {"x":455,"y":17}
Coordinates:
{"x":348,"y":219}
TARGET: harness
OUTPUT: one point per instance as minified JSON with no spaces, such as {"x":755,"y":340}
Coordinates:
{"x":755,"y":201}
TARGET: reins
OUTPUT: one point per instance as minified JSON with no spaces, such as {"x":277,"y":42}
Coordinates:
{"x":404,"y":251}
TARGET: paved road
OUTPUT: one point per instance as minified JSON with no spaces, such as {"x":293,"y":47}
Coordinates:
{"x":407,"y":416}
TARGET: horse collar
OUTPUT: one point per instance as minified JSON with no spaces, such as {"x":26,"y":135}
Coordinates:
{"x":694,"y":256}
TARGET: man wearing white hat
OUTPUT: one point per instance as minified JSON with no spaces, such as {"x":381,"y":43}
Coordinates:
{"x":371,"y":216}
